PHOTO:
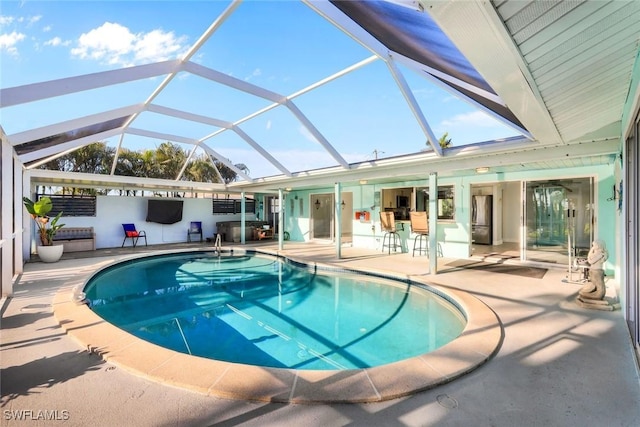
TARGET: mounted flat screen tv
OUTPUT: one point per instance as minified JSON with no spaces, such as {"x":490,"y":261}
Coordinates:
{"x":164,"y":211}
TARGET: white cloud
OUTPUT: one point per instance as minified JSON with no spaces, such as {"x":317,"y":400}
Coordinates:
{"x":475,"y":118}
{"x":6,"y":20}
{"x":256,"y":73}
{"x":113,"y":43}
{"x":8,"y":42}
{"x":56,"y":41}
{"x":423,"y":93}
{"x":306,"y":134}
{"x":157,"y":46}
{"x":268,"y":124}
{"x":34,"y":19}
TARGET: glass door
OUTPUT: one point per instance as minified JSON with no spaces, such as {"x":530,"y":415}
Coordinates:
{"x":322,"y":216}
{"x":272,"y":212}
{"x":558,"y":219}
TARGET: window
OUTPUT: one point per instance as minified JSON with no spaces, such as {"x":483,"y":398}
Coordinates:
{"x":78,"y":205}
{"x":446,"y":207}
{"x":398,"y":201}
{"x":232,"y":206}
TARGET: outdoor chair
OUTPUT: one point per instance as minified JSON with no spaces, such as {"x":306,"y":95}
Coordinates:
{"x":388,"y":225}
{"x":130,"y":232}
{"x":194,"y":228}
{"x":420,"y":227}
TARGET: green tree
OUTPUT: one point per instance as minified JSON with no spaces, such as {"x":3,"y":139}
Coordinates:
{"x":165,"y":162}
{"x":227,"y":173}
{"x":169,"y":159}
{"x":130,"y":163}
{"x":91,"y":158}
{"x":445,"y":141}
{"x":200,"y":169}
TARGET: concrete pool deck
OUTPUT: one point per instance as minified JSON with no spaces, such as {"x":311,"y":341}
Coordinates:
{"x":558,"y":364}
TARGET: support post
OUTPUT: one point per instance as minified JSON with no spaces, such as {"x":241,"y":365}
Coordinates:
{"x":433,"y":223}
{"x":243,"y":220}
{"x":338,"y":218}
{"x":280,"y":219}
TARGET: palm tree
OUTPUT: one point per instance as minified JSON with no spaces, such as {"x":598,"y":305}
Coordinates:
{"x":170,"y":158}
{"x":201,"y":170}
{"x":445,"y":141}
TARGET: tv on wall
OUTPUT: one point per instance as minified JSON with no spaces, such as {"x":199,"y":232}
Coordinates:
{"x":164,"y":211}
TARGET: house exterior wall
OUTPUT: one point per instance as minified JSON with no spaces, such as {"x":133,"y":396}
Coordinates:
{"x":454,"y":236}
{"x":113,"y":211}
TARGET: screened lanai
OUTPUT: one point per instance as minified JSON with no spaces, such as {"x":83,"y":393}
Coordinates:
{"x":219,"y":95}
{"x":302,"y":95}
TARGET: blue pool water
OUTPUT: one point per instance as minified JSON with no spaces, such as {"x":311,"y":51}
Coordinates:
{"x":261,"y":310}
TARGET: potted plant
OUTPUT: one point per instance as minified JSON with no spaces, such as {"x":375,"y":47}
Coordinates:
{"x":47,"y":251}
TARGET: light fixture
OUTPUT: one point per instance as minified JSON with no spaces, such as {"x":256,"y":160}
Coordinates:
{"x":317,"y":203}
{"x":343,"y":204}
{"x":362,"y":181}
{"x":483,"y":169}
{"x":288,"y":189}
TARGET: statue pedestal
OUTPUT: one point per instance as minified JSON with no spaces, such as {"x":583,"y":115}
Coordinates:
{"x":594,"y":304}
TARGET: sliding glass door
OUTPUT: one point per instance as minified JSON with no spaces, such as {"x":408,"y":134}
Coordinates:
{"x":322,"y":216}
{"x":558,"y":218}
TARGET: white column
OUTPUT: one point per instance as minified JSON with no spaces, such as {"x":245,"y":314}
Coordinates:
{"x":280,"y":219}
{"x":18,"y":216}
{"x":243,"y":220}
{"x":433,"y":223}
{"x":6,"y":229}
{"x":27,"y":223}
{"x":338,"y":219}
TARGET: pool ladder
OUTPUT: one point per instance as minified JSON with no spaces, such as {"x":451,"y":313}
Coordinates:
{"x":218,"y":244}
{"x":184,"y":339}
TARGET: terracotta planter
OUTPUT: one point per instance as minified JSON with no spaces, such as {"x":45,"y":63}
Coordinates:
{"x":50,"y":253}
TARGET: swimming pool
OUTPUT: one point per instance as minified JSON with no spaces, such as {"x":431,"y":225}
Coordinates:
{"x":268,"y":311}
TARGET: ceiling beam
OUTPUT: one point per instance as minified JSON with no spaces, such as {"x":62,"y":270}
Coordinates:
{"x":67,"y":146}
{"x":210,"y":151}
{"x":479,"y":33}
{"x":72,"y":125}
{"x":161,"y":135}
{"x":232,"y":82}
{"x":413,"y":105}
{"x":52,"y":88}
{"x":159,"y":109}
{"x":89,"y":180}
{"x":264,"y":153}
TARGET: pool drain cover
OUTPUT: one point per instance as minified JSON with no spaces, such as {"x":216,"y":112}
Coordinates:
{"x":447,"y":401}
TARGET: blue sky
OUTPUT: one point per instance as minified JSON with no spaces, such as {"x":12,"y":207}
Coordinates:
{"x":283,"y":46}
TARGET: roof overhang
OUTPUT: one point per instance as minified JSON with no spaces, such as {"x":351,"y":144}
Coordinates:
{"x":118,"y":182}
{"x":516,"y":154}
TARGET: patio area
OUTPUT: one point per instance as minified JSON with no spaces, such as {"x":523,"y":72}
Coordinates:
{"x":558,"y":364}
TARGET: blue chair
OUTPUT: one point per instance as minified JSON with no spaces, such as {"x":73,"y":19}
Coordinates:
{"x":194,"y":228}
{"x":130,"y":232}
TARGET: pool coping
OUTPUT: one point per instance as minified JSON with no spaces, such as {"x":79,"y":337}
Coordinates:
{"x":478,"y":342}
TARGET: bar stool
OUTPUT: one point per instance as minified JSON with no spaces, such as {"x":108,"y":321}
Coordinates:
{"x":388,"y":225}
{"x":420,"y":227}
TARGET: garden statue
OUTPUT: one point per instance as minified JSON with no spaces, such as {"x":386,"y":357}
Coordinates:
{"x":591,"y":295}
